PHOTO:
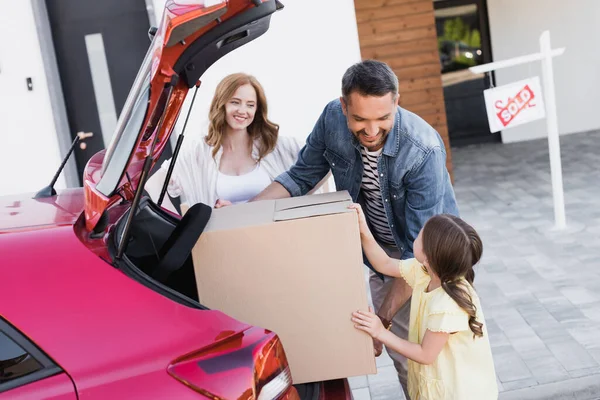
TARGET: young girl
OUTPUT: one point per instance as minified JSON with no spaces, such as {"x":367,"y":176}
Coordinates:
{"x":448,"y":350}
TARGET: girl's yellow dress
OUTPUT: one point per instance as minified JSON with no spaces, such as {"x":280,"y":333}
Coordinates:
{"x":464,"y":369}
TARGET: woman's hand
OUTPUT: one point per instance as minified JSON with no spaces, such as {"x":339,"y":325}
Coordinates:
{"x":362,"y":221}
{"x":222,"y":203}
{"x":368,"y":322}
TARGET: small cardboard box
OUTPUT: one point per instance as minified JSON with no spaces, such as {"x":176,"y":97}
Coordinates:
{"x":293,"y":266}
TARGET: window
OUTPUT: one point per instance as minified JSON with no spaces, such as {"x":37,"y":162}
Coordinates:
{"x":20,"y":361}
{"x":464,"y":41}
{"x":15,"y":362}
{"x":128,"y":128}
{"x":461,"y":41}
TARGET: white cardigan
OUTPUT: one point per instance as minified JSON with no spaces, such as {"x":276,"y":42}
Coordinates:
{"x":195,"y":175}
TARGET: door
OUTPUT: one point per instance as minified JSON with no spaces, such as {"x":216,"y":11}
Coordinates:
{"x":26,"y":373}
{"x":99,"y":46}
{"x":463,"y":42}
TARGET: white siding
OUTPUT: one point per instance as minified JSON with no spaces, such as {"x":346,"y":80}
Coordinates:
{"x":29,"y":149}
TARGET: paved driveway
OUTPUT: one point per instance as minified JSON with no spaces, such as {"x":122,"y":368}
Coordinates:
{"x":540,"y":288}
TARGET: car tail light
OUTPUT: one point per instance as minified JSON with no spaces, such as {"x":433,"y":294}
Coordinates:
{"x":251,"y":365}
{"x":273,"y":377}
{"x":276,"y":387}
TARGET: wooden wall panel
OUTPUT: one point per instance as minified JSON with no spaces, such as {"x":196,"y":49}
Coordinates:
{"x":402,"y":34}
{"x":394,"y":24}
{"x":394,"y":10}
{"x":365,"y":5}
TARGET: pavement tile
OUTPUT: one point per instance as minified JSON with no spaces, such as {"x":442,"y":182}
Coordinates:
{"x":498,"y":339}
{"x":385,"y":385}
{"x":547,"y":369}
{"x":587,"y":335}
{"x":578,"y":373}
{"x":578,"y":295}
{"x":361,"y":394}
{"x":529,"y":346}
{"x":509,"y":365}
{"x":572,"y":355}
{"x":358,"y":382}
{"x":591,"y":311}
{"x":520,"y":384}
{"x":554,"y":335}
{"x":384,"y":359}
{"x":595,"y":353}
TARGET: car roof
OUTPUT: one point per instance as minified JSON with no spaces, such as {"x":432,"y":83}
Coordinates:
{"x":23,"y":212}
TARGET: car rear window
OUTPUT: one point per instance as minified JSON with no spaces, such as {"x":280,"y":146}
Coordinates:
{"x":15,"y":362}
{"x":21,"y":362}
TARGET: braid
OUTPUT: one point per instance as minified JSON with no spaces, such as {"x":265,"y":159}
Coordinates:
{"x":461,"y":296}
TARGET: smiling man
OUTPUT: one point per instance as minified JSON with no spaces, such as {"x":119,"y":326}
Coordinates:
{"x":389,"y":160}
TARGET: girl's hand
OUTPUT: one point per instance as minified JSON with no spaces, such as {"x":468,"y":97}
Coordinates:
{"x":362,"y":221}
{"x":368,"y":322}
{"x":222,"y":203}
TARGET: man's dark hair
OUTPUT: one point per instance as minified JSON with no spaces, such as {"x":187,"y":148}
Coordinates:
{"x":369,"y":78}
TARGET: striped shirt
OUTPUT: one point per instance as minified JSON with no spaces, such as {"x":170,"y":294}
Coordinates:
{"x":374,"y":211}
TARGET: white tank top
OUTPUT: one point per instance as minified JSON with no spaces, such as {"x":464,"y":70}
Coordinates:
{"x":241,"y":188}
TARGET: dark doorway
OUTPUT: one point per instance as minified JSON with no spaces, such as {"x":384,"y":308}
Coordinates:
{"x":463,"y":42}
{"x":99,"y":46}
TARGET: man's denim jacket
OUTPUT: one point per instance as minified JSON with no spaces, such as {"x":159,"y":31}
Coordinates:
{"x":414,"y":181}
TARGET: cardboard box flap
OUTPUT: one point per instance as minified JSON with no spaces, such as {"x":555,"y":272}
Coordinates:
{"x":313,"y":211}
{"x":303,"y":201}
{"x":241,"y":216}
{"x":312,"y":206}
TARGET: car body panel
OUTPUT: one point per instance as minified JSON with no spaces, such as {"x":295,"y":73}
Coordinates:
{"x":57,"y":387}
{"x":94,"y":321}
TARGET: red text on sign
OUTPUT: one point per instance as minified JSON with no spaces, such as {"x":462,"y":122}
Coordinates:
{"x":523,"y":99}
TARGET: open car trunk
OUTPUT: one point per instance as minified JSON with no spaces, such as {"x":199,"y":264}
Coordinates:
{"x":152,"y":230}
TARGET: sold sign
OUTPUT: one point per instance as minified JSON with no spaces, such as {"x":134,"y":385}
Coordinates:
{"x":515,"y":104}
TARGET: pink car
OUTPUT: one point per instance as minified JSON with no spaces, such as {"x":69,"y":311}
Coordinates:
{"x":97,"y":291}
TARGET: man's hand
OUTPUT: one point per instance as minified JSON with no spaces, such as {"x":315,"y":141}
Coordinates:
{"x":368,"y":322}
{"x":378,"y":346}
{"x":399,"y":293}
{"x":222,"y":203}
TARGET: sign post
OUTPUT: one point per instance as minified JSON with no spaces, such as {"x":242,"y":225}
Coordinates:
{"x":522,"y":100}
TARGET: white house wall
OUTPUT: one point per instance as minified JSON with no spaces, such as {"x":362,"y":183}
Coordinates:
{"x":515,"y":29}
{"x":29,"y":148}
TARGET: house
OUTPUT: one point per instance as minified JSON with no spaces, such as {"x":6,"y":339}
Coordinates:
{"x":66,"y":66}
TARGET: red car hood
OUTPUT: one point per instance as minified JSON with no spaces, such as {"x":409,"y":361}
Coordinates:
{"x":92,"y":319}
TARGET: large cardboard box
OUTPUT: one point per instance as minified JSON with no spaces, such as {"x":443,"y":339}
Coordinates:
{"x":293,"y":266}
